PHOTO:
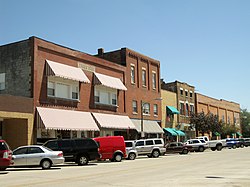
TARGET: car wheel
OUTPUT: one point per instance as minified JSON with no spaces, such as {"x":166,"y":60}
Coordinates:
{"x":46,"y":164}
{"x":201,"y":149}
{"x":185,"y":151}
{"x":82,"y":160}
{"x":118,"y":158}
{"x":2,"y":168}
{"x":155,"y":153}
{"x":241,"y":145}
{"x":131,"y":156}
{"x":213,"y":148}
{"x":219,"y":147}
{"x":234,"y":146}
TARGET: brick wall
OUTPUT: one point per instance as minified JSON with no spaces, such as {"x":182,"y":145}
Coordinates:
{"x":15,"y":61}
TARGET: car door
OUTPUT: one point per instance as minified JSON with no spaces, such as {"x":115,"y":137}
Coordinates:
{"x":34,"y":156}
{"x":140,"y":146}
{"x":20,"y":156}
{"x":149,"y":144}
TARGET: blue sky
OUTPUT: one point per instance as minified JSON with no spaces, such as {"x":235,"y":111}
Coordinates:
{"x":204,"y":43}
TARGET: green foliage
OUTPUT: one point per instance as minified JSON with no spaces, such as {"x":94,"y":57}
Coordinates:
{"x":245,"y":122}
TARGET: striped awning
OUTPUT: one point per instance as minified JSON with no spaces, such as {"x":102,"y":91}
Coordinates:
{"x":65,"y":71}
{"x":148,"y":126}
{"x":59,"y":119}
{"x":111,"y":121}
{"x":109,"y":81}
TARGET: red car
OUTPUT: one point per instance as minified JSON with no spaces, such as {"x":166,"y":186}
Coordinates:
{"x":111,"y":147}
{"x":5,"y":155}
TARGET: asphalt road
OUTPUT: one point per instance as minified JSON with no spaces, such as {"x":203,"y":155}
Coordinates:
{"x":229,"y":167}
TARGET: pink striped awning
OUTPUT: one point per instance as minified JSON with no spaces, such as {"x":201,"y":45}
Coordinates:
{"x":113,"y":121}
{"x":58,"y":119}
{"x":65,"y":71}
{"x":109,"y":81}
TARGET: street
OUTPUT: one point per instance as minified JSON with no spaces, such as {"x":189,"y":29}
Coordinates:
{"x":229,"y":167}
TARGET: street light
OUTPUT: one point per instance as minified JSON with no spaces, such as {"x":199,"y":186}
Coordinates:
{"x":142,"y":108}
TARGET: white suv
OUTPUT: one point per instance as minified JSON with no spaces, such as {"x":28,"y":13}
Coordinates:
{"x":151,"y":147}
{"x":197,"y":144}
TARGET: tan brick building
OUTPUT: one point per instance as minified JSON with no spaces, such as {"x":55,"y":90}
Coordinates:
{"x":227,"y":111}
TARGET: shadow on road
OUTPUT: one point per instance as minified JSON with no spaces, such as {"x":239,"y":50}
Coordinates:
{"x":31,"y":169}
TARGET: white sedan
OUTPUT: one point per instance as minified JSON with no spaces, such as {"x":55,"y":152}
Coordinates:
{"x":36,"y":155}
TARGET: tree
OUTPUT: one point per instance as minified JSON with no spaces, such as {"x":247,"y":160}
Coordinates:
{"x":245,"y":122}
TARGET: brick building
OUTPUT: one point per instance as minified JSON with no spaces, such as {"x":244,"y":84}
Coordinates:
{"x":143,"y":96}
{"x":56,"y":91}
{"x":185,"y":102}
{"x":227,"y":111}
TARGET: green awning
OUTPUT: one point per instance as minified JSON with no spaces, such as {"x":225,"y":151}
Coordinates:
{"x":180,"y":133}
{"x":170,"y":130}
{"x":238,"y":133}
{"x":172,"y":110}
{"x":216,"y":134}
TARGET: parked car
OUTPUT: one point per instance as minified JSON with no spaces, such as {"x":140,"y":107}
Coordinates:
{"x":247,"y":142}
{"x":213,"y":144}
{"x":80,"y":151}
{"x":131,"y":150}
{"x":177,"y":147}
{"x":111,"y":147}
{"x":5,"y":155}
{"x":231,"y":143}
{"x":240,"y":142}
{"x":197,"y":144}
{"x":37,"y":155}
{"x":150,"y":147}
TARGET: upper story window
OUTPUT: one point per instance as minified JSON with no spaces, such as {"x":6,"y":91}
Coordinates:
{"x":135,"y":109}
{"x":60,"y":88}
{"x":146,"y":108}
{"x":182,"y":108}
{"x":186,"y":93}
{"x":191,"y":94}
{"x":154,"y":80}
{"x":228,"y":121}
{"x":2,"y":81}
{"x":132,"y":74}
{"x":223,"y":118}
{"x":144,"y":77}
{"x":191,"y":108}
{"x":155,"y":109}
{"x":105,"y":95}
{"x":181,"y":91}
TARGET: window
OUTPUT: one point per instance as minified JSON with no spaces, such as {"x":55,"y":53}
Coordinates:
{"x":113,"y":99}
{"x":51,"y":89}
{"x":146,"y":108}
{"x":134,"y":103}
{"x":228,"y":121}
{"x":97,"y":96}
{"x":139,"y":143}
{"x":154,"y":80}
{"x":129,"y":144}
{"x":191,"y":108}
{"x":186,"y":93}
{"x":158,"y":142}
{"x":235,"y":120}
{"x":66,"y":89}
{"x":187,"y":109}
{"x":20,"y":151}
{"x":106,"y":96}
{"x":132,"y":74}
{"x":75,"y":92}
{"x":191,"y":94}
{"x":155,"y":109}
{"x":2,"y":81}
{"x":149,"y":142}
{"x":182,"y":108}
{"x":223,"y":119}
{"x":143,"y":77}
{"x":181,"y":91}
{"x":34,"y":150}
